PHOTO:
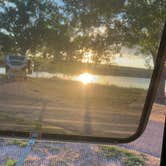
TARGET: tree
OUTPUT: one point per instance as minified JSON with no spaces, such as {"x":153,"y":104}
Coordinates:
{"x":32,"y":26}
{"x":95,"y":24}
{"x":144,"y":22}
{"x":6,"y":42}
{"x":128,"y":23}
{"x":15,"y":21}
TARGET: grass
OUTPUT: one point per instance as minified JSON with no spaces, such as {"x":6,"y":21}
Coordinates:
{"x":21,"y":143}
{"x":10,"y":162}
{"x":75,"y":90}
{"x":2,"y":76}
{"x":128,"y":158}
{"x":54,"y":150}
{"x":59,"y":162}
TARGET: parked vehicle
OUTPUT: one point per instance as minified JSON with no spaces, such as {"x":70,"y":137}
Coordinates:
{"x":17,"y":66}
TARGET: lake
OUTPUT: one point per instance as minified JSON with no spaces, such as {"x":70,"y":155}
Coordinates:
{"x":120,"y":81}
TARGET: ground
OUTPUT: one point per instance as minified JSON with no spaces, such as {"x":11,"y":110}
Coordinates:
{"x":45,"y":153}
{"x":58,"y":106}
{"x":34,"y":94}
{"x":72,"y":154}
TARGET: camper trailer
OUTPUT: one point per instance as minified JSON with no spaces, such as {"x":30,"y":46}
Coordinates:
{"x":17,"y":66}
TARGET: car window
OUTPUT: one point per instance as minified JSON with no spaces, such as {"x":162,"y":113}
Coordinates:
{"x":92,"y":68}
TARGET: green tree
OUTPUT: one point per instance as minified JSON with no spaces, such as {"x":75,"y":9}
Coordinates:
{"x":6,"y":42}
{"x":32,"y":26}
{"x":144,"y":22}
{"x":15,"y":21}
{"x":88,"y":17}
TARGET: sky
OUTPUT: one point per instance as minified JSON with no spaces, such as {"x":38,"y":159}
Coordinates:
{"x":131,"y":61}
{"x":131,"y":58}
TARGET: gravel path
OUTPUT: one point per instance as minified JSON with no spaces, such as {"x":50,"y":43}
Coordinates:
{"x":59,"y":154}
{"x":64,"y":154}
{"x":151,"y":140}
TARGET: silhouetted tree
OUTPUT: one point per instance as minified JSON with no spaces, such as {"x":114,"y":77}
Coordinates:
{"x":32,"y":26}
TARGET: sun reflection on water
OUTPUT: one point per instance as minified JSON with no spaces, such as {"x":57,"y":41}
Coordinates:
{"x":86,"y":78}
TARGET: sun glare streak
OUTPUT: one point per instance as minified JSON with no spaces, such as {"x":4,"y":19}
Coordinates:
{"x":86,"y":78}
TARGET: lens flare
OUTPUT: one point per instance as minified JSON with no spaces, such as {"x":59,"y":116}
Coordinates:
{"x":85,"y":78}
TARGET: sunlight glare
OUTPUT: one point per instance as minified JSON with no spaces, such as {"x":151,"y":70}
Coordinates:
{"x":86,"y":78}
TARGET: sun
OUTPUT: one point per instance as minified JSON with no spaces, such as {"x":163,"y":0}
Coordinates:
{"x":85,"y":78}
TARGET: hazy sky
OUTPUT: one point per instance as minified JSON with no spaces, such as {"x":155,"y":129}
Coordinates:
{"x":131,"y":59}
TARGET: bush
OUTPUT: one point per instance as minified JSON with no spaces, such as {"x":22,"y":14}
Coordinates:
{"x":10,"y":162}
{"x":126,"y":157}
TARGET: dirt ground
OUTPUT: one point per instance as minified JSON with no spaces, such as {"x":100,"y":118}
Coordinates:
{"x":57,"y":106}
{"x":158,"y":113}
{"x":72,"y":154}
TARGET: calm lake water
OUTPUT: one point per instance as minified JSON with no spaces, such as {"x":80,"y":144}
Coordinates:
{"x":120,"y":81}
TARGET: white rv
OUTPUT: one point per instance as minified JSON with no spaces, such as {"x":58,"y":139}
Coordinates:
{"x":17,"y":66}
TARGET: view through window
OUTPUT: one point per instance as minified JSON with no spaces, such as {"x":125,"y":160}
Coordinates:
{"x":77,"y":67}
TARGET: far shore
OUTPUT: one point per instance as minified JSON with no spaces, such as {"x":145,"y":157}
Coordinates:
{"x":78,"y":67}
{"x":74,"y":68}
